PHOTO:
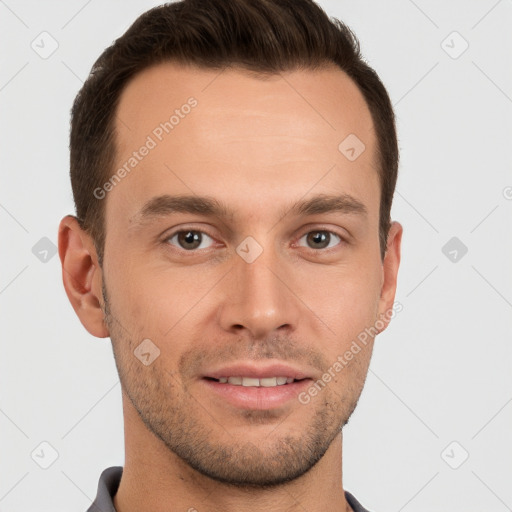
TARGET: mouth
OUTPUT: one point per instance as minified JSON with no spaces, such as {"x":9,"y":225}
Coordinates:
{"x":264,"y":382}
{"x":245,"y":386}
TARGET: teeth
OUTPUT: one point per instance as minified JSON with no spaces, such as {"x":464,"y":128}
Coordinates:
{"x":266,"y":382}
{"x":249,"y":381}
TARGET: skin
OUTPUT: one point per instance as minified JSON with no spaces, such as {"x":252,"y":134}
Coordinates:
{"x":257,"y":146}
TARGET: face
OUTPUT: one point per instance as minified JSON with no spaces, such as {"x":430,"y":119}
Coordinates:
{"x":243,"y":244}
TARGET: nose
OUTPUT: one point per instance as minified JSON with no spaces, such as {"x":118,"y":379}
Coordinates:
{"x":259,"y":297}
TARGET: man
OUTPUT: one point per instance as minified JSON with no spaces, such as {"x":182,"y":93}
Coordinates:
{"x":233,"y":164}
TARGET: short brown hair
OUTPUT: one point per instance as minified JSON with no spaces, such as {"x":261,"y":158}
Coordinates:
{"x":263,"y":36}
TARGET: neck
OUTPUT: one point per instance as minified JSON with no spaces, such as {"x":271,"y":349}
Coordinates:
{"x":155,"y":479}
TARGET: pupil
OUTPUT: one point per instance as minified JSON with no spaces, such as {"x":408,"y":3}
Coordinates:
{"x":320,"y":236}
{"x":190,"y":237}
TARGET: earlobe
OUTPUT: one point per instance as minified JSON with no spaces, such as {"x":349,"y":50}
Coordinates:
{"x":390,"y":267}
{"x":81,"y":275}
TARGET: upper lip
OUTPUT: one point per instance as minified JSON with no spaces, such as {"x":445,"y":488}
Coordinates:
{"x":258,"y":371}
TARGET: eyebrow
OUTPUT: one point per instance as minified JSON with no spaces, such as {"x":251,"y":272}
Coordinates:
{"x":165,"y":205}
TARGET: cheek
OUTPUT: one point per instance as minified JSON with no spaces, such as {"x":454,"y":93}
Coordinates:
{"x":345,"y":299}
{"x":155,"y":301}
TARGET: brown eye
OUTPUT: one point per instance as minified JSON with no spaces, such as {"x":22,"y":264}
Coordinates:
{"x":189,"y":239}
{"x":321,"y":239}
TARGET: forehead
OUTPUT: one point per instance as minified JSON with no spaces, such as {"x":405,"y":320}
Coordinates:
{"x":228,"y":133}
{"x":323,"y":98}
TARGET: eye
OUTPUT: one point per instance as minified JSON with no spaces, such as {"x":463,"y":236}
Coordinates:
{"x":320,"y":239}
{"x":189,"y":239}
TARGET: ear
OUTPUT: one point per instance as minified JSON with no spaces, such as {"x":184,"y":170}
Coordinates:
{"x":389,"y":273}
{"x":82,"y":275}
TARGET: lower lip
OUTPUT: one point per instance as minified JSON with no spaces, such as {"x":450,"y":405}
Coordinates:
{"x":257,"y":398}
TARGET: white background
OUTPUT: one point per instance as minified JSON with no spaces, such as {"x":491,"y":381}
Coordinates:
{"x":440,"y":373}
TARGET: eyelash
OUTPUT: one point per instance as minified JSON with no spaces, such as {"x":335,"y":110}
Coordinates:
{"x":319,"y":230}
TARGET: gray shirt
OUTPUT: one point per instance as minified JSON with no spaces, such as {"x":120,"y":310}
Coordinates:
{"x":109,"y":482}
